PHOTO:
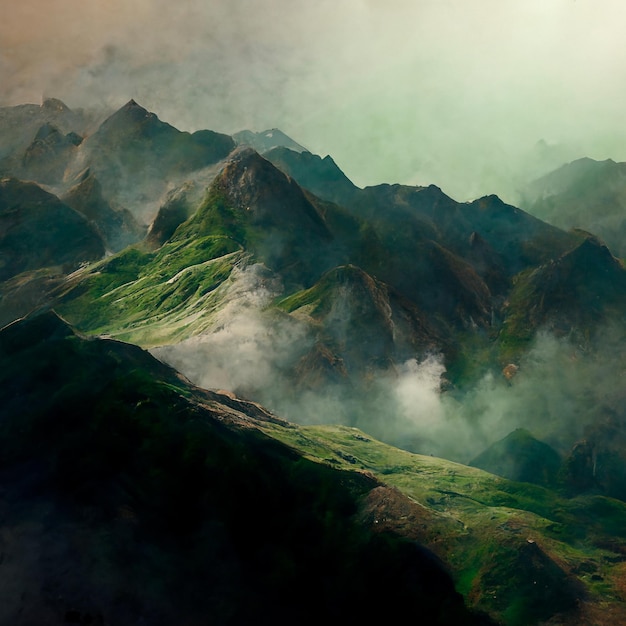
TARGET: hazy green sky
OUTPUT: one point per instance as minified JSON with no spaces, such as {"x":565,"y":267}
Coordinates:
{"x":452,"y":92}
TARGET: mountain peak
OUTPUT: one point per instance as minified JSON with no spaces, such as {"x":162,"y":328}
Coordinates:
{"x":52,"y":104}
{"x":490,"y":199}
{"x":521,"y":457}
{"x":128,"y":117}
{"x":267,"y":140}
{"x":257,"y":205}
{"x":246,"y":172}
{"x":132,"y":104}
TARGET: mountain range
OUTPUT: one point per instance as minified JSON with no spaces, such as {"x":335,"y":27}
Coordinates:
{"x":584,"y":194}
{"x":476,"y":332}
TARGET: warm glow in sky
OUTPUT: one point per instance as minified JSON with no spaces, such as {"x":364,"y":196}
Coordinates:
{"x":454,"y":92}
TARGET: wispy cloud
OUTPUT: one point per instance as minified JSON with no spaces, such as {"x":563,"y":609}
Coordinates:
{"x":452,"y":93}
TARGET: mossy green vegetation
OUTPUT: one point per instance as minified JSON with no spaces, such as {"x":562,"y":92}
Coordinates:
{"x":150,"y":297}
{"x":472,"y":354}
{"x":215,"y":217}
{"x":517,"y":332}
{"x":518,"y":551}
{"x":320,"y":297}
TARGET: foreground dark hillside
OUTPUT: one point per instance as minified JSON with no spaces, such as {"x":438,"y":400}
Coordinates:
{"x":129,"y":496}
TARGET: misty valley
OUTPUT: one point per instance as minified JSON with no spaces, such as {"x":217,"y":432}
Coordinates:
{"x":237,"y":388}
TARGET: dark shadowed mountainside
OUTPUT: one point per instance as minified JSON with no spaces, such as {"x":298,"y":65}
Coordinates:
{"x":520,"y":238}
{"x":320,"y":176}
{"x":574,"y":294}
{"x":361,"y":323}
{"x":37,"y":230}
{"x":521,"y":457}
{"x":130,"y":496}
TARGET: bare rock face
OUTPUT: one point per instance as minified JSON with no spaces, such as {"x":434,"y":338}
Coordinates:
{"x":510,"y":371}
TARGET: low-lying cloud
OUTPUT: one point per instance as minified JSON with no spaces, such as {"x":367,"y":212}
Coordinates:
{"x":249,"y":348}
{"x":559,"y":390}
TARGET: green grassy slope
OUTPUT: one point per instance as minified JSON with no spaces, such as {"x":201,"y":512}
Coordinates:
{"x":521,"y":552}
{"x":163,"y":296}
{"x":151,"y":298}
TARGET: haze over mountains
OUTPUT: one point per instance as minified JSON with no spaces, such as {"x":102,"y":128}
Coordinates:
{"x":424,"y":276}
{"x":475,"y":98}
{"x":586,"y":194}
{"x":472,"y":331}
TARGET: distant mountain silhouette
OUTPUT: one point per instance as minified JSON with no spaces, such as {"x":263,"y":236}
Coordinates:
{"x":585,"y":194}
